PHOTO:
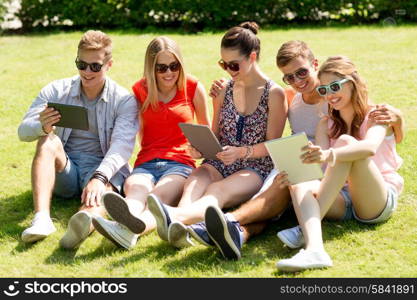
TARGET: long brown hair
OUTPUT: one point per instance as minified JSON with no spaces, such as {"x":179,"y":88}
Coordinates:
{"x":342,"y":67}
{"x":156,"y":46}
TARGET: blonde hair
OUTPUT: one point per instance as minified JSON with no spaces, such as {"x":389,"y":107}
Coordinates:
{"x":343,"y":67}
{"x":293,"y":49}
{"x":155,"y":47}
{"x":96,"y":40}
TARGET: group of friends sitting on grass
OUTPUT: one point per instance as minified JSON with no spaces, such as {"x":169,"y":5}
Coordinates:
{"x":222,"y":202}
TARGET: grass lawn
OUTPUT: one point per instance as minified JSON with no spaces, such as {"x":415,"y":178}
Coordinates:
{"x":384,"y":57}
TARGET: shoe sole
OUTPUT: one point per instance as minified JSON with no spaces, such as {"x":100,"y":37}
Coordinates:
{"x":118,"y":209}
{"x":77,"y":231}
{"x":178,"y":235}
{"x":284,"y":239}
{"x":32,"y":238}
{"x":198,"y":238}
{"x":218,"y":232}
{"x":161,"y":220}
{"x":107,"y":234}
{"x":289,"y":268}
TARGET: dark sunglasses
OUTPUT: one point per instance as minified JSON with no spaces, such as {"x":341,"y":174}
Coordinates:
{"x":94,"y":67}
{"x":232,"y":66}
{"x":331,"y":88}
{"x":301,"y":73}
{"x":163,"y":68}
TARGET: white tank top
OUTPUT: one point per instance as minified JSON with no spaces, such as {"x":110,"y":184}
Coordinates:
{"x":305,"y":117}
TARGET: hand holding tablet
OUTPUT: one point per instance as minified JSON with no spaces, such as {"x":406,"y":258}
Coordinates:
{"x":202,"y":139}
{"x":72,"y":116}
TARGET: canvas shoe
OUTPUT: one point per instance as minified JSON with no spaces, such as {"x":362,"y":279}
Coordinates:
{"x":292,"y":237}
{"x":178,"y":236}
{"x":116,"y":206}
{"x":160,"y":212}
{"x":199,"y":232}
{"x":119,"y":234}
{"x":226,"y":234}
{"x":305,"y":259}
{"x":78,"y":230}
{"x":40,"y":228}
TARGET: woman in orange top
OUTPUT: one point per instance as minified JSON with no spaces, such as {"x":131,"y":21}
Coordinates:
{"x":166,"y":96}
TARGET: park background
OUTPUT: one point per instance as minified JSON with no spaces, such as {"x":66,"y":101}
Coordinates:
{"x":40,"y":46}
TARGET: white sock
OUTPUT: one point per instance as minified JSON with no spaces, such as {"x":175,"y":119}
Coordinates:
{"x":42,"y":215}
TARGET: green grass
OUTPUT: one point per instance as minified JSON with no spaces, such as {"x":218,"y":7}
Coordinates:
{"x":384,"y":56}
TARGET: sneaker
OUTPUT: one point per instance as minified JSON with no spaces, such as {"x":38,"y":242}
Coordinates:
{"x":118,"y":209}
{"x":178,"y":236}
{"x":41,"y":227}
{"x":160,"y":212}
{"x":199,"y":232}
{"x":224,"y":233}
{"x":119,"y":234}
{"x":78,"y":230}
{"x":305,"y":259}
{"x":292,"y":237}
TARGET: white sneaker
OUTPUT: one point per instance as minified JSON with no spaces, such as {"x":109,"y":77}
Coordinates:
{"x":292,"y":237}
{"x":41,"y":227}
{"x":119,"y":234}
{"x":305,"y":259}
{"x":78,"y":230}
{"x":178,"y":235}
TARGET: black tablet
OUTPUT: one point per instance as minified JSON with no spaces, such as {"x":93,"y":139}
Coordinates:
{"x":72,"y":116}
{"x":202,"y":138}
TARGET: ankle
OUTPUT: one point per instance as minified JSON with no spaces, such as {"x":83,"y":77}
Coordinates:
{"x":42,"y":215}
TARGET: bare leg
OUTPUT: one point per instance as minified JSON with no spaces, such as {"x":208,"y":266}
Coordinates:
{"x":169,"y":190}
{"x":49,"y":158}
{"x":196,"y":184}
{"x":225,"y":193}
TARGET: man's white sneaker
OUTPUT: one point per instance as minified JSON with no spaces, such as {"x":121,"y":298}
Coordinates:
{"x":305,"y":259}
{"x":292,"y":237}
{"x":41,"y":227}
{"x":178,"y":235}
{"x":78,"y":230}
{"x":119,"y":234}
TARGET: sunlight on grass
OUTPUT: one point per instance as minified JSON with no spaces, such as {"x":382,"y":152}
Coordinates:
{"x":384,"y":57}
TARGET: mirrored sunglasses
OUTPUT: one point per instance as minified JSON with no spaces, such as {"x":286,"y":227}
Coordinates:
{"x":301,"y":73}
{"x":331,"y":88}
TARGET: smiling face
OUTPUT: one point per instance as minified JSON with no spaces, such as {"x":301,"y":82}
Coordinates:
{"x":341,"y":99}
{"x":90,"y":79}
{"x":309,"y":83}
{"x":234,"y":56}
{"x":169,"y":78}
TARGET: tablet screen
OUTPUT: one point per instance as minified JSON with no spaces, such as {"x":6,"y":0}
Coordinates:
{"x":72,"y":116}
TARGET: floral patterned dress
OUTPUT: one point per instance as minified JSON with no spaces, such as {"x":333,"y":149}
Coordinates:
{"x":239,"y":130}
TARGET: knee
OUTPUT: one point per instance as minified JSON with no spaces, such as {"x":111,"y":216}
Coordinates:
{"x":344,"y":140}
{"x":133,"y":184}
{"x":49,"y":144}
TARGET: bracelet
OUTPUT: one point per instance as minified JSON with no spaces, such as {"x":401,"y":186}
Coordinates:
{"x":100,"y":176}
{"x":249,"y":152}
{"x":333,"y":155}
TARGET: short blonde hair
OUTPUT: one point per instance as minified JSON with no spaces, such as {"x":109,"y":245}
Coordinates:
{"x":155,"y":47}
{"x":96,"y":40}
{"x":293,"y":49}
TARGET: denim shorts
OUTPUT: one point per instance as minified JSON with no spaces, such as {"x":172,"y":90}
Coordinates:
{"x":157,"y":168}
{"x":77,"y":172}
{"x":390,"y":207}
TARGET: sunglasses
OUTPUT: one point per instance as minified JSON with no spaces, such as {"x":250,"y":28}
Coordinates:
{"x":82,"y":65}
{"x":232,"y":66}
{"x":301,"y":73}
{"x":163,"y":68}
{"x":331,"y":88}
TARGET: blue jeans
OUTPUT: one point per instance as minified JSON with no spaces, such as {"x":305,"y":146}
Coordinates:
{"x":157,"y":168}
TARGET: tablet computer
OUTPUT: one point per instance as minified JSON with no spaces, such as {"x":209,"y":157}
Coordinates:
{"x":285,"y":153}
{"x":202,"y":138}
{"x":72,"y":116}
